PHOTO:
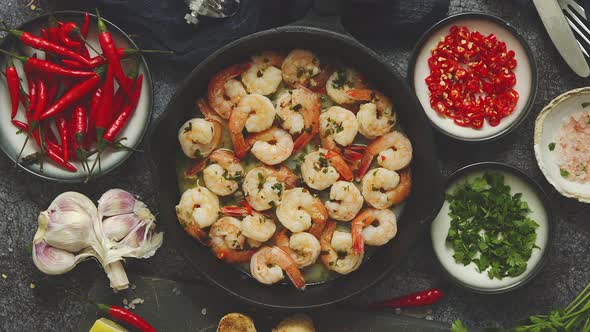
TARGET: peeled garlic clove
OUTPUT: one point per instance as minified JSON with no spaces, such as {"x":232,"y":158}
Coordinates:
{"x":118,"y":227}
{"x":118,"y":201}
{"x":68,"y":222}
{"x":55,"y":261}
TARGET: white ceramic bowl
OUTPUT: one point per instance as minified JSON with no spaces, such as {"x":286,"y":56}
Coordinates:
{"x":136,"y":127}
{"x":525,"y":71}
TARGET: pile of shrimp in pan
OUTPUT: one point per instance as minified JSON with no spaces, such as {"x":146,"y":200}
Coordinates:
{"x":277,"y":108}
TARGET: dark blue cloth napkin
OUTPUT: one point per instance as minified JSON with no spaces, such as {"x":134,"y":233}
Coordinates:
{"x":160,"y":24}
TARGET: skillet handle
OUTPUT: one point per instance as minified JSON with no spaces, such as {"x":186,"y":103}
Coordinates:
{"x":323,"y":14}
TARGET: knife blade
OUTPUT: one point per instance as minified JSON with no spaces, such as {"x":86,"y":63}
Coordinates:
{"x":562,"y":36}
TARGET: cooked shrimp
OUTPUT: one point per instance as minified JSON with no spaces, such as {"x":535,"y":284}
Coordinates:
{"x":222,"y":177}
{"x":299,"y":66}
{"x":198,"y":208}
{"x":340,"y":82}
{"x":199,"y":136}
{"x":310,"y":110}
{"x":394,"y":150}
{"x":224,"y":92}
{"x":272,"y":146}
{"x":293,"y":106}
{"x":258,"y":227}
{"x":303,"y":247}
{"x":382,"y":188}
{"x":227,"y":241}
{"x":263,"y":186}
{"x":377,"y":117}
{"x":264,"y":76}
{"x":255,"y":113}
{"x":322,"y":168}
{"x":337,"y":253}
{"x":337,"y":126}
{"x":345,"y":201}
{"x":299,"y":210}
{"x":268,"y":263}
{"x":364,"y":230}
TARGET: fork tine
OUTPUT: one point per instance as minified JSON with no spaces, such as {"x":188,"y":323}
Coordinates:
{"x":575,"y":28}
{"x":583,"y":49}
{"x":575,"y":6}
{"x":577,"y":20}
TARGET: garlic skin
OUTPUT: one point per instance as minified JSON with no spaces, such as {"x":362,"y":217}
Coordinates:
{"x":73,"y":229}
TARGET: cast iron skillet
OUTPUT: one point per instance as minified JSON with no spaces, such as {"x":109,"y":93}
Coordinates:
{"x":423,"y":203}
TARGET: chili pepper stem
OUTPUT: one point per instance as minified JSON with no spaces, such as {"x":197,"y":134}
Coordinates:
{"x":79,"y":34}
{"x":22,"y":149}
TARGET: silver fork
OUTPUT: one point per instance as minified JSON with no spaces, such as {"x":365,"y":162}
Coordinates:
{"x":573,"y":12}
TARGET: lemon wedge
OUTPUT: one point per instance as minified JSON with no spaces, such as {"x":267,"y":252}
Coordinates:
{"x":107,"y":325}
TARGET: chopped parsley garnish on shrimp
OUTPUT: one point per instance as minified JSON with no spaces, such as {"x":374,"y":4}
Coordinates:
{"x":189,"y":127}
{"x":340,"y":80}
{"x":490,"y":227}
{"x":277,"y":186}
{"x":551,"y":146}
{"x":564,"y":172}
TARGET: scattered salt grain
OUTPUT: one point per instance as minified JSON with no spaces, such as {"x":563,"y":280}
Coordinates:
{"x":125,"y":302}
{"x":32,"y":285}
{"x":204,"y":311}
{"x":133,"y":286}
{"x":4,"y":276}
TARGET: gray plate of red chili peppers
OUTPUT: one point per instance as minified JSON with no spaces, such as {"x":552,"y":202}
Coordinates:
{"x":78,"y":95}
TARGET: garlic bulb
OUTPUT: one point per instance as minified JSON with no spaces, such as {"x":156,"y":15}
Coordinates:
{"x":73,"y":229}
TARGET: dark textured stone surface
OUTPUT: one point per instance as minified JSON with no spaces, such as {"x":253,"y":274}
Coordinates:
{"x":47,"y":308}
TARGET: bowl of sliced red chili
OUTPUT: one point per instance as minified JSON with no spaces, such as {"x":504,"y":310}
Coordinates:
{"x":79,"y":94}
{"x":474,"y":75}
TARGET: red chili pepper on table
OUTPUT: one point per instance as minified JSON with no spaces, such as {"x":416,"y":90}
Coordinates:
{"x":75,"y":94}
{"x":12,"y":81}
{"x":48,"y":67}
{"x":43,"y":44}
{"x":427,"y":297}
{"x":110,"y":52}
{"x":126,"y":316}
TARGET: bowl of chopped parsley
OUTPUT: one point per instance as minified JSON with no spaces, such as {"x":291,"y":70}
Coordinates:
{"x":494,"y":228}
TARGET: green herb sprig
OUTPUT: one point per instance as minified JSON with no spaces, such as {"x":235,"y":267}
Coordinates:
{"x":490,"y":227}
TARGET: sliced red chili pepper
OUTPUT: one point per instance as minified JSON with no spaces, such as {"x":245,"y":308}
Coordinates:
{"x":12,"y":81}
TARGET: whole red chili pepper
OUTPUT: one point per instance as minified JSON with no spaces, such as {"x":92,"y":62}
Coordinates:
{"x":126,"y":113}
{"x":78,"y":124}
{"x":52,"y":151}
{"x":64,"y":35}
{"x":110,"y":52}
{"x":64,"y":135}
{"x":43,"y":44}
{"x":105,"y":110}
{"x":92,"y":111}
{"x":72,"y":96}
{"x":427,"y":297}
{"x":120,"y":98}
{"x":41,"y":101}
{"x":48,"y":67}
{"x":126,"y":316}
{"x":44,"y":33}
{"x":53,"y":29}
{"x":85,"y":25}
{"x":98,"y":60}
{"x":12,"y":81}
{"x":32,"y":88}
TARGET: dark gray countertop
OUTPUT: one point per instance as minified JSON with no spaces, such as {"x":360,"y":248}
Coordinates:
{"x":567,"y":269}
